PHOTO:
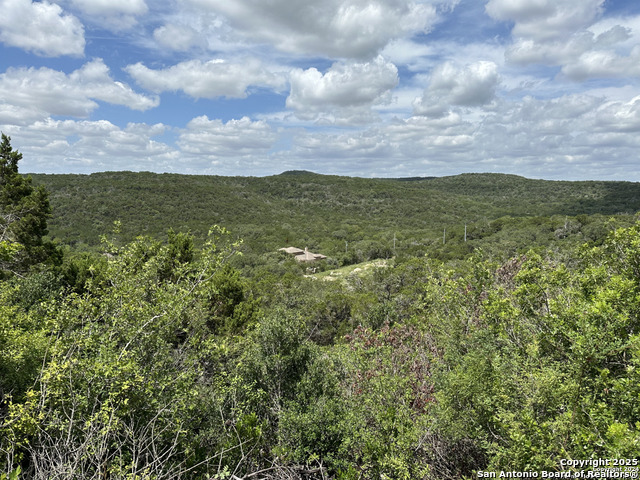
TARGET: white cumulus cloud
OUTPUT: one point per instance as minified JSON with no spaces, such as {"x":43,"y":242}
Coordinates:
{"x":346,"y":90}
{"x":618,"y":117}
{"x":215,"y":78}
{"x":337,"y":28}
{"x":470,"y":86}
{"x":603,"y":64}
{"x":41,"y":28}
{"x":233,"y":139}
{"x":570,"y":34}
{"x":583,"y":55}
{"x":33,"y":94}
{"x":87,"y":146}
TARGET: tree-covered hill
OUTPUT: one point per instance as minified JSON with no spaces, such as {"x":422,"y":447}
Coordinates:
{"x":346,"y":217}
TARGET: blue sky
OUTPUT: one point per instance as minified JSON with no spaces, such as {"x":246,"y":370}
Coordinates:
{"x":372,"y":88}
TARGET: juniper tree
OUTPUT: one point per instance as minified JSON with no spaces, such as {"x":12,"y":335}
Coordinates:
{"x":24,"y":211}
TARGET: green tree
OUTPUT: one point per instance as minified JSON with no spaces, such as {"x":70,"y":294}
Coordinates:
{"x":24,"y":210}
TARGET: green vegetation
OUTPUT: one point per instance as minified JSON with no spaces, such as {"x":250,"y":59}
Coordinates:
{"x":186,"y":353}
{"x":351,"y":220}
{"x":24,"y":211}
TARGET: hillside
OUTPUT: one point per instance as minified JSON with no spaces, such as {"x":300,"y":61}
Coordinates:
{"x":325,"y":212}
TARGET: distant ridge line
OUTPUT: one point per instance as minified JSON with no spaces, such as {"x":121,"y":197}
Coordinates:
{"x":294,"y":173}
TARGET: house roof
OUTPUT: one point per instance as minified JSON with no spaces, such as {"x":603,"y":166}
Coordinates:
{"x":302,"y":255}
{"x":306,"y":257}
{"x":291,"y":250}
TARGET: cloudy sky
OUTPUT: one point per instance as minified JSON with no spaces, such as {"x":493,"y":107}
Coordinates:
{"x":372,"y":88}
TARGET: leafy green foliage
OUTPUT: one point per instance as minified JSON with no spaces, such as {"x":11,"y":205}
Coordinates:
{"x":118,"y":387}
{"x":24,"y":210}
{"x":539,"y":376}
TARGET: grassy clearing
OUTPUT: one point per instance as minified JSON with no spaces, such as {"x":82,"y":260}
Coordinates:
{"x":344,"y":272}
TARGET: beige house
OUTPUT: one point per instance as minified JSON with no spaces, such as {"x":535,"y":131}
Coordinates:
{"x":302,"y":255}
